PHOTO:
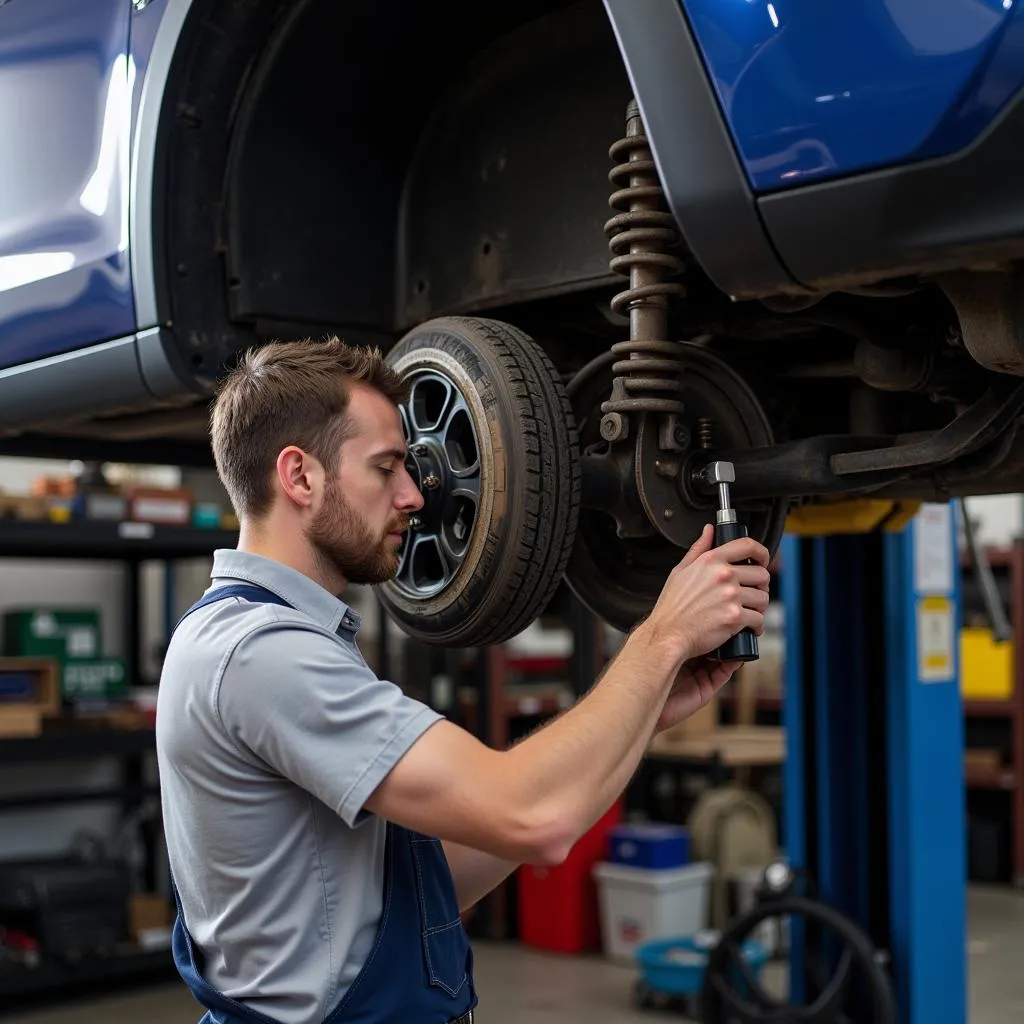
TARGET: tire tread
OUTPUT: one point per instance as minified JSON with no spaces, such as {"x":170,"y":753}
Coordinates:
{"x":544,"y":546}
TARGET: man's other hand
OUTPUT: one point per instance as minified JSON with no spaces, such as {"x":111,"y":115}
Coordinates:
{"x":695,"y":684}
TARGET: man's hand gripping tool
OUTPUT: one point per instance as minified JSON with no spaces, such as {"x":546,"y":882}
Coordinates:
{"x":743,"y":646}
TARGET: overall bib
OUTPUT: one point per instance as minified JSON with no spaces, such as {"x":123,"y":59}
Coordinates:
{"x":420,"y":968}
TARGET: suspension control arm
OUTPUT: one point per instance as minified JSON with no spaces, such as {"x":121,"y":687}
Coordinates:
{"x":801,"y":467}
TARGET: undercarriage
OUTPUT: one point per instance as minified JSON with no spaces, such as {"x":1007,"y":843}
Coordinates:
{"x":870,"y":395}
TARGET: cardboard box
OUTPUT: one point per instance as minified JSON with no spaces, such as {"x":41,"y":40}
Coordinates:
{"x":18,"y":720}
{"x":982,"y":760}
{"x":23,"y":507}
{"x":54,"y":486}
{"x":100,"y":506}
{"x":30,"y":682}
{"x":171,"y":506}
{"x":149,"y":920}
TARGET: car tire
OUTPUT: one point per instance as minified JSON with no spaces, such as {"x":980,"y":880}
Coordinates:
{"x":488,"y":415}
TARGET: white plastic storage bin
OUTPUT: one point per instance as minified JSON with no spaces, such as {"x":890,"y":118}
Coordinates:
{"x":641,"y":904}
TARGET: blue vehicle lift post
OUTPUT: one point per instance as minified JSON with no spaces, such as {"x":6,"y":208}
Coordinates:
{"x":874,"y":802}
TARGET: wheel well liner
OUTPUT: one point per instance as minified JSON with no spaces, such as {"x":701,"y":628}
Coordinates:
{"x":518,"y":145}
{"x":286,"y":138}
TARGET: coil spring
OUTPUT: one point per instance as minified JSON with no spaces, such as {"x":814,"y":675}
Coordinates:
{"x":639,"y":237}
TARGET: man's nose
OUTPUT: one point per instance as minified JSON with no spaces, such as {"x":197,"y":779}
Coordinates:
{"x":410,"y":497}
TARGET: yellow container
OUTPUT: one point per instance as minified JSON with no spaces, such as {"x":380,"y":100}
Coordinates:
{"x":986,"y":667}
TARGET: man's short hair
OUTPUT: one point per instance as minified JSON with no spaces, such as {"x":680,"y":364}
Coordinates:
{"x":284,"y":393}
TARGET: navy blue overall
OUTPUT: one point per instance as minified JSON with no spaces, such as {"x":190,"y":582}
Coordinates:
{"x":420,"y":968}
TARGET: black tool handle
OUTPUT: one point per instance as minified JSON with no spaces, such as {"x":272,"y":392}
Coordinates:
{"x":743,"y":646}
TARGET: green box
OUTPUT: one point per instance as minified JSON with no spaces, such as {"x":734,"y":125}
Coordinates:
{"x":62,"y":633}
{"x":94,"y":679}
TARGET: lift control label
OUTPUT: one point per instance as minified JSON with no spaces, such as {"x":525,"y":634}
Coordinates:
{"x":936,"y":635}
{"x":933,"y":550}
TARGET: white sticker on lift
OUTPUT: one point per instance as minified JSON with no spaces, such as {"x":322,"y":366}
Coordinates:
{"x":936,"y":635}
{"x":933,"y":549}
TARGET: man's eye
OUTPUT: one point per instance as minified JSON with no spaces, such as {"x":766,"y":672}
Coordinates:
{"x":386,"y":471}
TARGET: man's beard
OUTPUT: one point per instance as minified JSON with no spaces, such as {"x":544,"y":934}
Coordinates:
{"x":343,"y":542}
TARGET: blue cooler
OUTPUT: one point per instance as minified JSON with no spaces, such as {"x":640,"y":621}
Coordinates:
{"x":649,"y":845}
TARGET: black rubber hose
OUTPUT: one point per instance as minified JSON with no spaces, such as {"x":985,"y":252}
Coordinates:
{"x":723,"y":1005}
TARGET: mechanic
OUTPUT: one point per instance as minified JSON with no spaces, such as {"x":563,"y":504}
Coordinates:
{"x":324,"y":830}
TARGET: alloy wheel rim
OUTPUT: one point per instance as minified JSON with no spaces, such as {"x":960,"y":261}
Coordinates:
{"x":444,"y":460}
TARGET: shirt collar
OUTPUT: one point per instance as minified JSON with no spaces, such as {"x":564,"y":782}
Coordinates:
{"x":302,"y":593}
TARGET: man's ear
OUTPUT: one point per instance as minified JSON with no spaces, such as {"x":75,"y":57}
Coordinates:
{"x":300,"y":475}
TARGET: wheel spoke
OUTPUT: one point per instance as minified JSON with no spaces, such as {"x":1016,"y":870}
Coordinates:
{"x":402,"y":574}
{"x":449,"y":564}
{"x":428,"y":565}
{"x":403,"y":555}
{"x":458,"y":441}
{"x":430,"y":403}
{"x":459,"y":518}
{"x":453,"y":554}
{"x":467,"y":490}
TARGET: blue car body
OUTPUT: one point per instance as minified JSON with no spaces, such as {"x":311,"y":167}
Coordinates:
{"x":67,"y":81}
{"x":77,"y":127}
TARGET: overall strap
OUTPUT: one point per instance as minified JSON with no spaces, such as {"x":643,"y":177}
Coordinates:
{"x":249,"y":591}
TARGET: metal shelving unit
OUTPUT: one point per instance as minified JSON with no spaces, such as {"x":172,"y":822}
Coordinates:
{"x":76,"y":746}
{"x":132,"y":544}
{"x":19,"y":985}
{"x":121,"y":541}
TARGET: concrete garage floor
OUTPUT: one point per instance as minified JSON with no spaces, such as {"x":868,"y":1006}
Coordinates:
{"x":520,"y":986}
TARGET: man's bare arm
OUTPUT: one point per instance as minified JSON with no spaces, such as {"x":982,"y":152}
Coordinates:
{"x":532,"y":802}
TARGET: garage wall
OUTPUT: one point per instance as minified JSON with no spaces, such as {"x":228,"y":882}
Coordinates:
{"x":999,"y":518}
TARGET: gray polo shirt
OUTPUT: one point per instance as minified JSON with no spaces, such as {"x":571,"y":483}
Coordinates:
{"x":271,"y":733}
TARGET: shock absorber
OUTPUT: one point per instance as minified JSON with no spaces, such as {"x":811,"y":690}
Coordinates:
{"x":641,"y":236}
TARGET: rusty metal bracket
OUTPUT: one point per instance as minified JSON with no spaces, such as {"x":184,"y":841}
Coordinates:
{"x":993,"y":412}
